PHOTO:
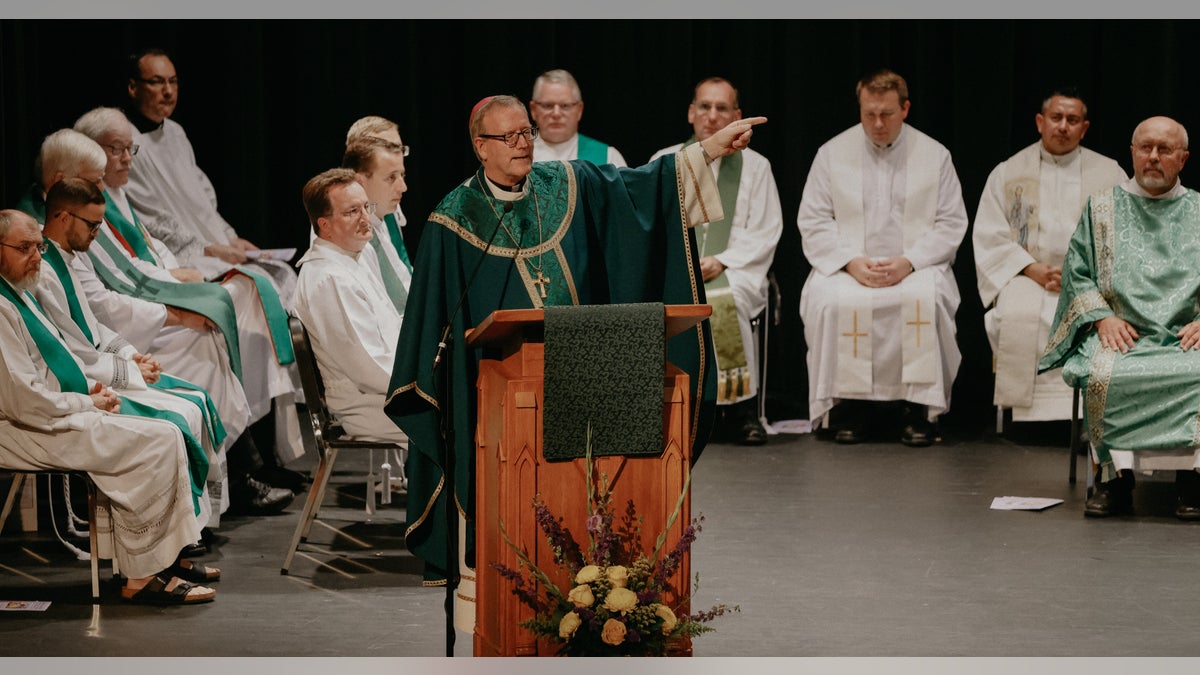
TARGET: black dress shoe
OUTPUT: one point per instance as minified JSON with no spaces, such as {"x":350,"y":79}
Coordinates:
{"x":848,"y":436}
{"x":1111,"y":498}
{"x":194,"y":551}
{"x":255,"y":498}
{"x":1187,"y":488}
{"x":287,"y":479}
{"x":917,"y":434}
{"x":753,"y":433}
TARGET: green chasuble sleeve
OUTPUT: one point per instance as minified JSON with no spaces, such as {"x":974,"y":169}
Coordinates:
{"x":600,"y":235}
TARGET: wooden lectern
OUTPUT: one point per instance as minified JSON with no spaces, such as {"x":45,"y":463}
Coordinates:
{"x":510,"y":471}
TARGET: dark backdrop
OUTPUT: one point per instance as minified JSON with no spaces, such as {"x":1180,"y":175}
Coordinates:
{"x":267,"y":105}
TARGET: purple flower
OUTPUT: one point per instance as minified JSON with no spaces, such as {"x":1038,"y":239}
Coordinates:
{"x":593,"y":522}
{"x":631,"y":635}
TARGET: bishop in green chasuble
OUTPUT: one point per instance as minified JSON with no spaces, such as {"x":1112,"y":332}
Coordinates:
{"x":576,"y":234}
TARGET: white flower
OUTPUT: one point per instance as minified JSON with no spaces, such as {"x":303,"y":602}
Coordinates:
{"x":567,"y":627}
{"x":587,"y":575}
{"x":618,"y":576}
{"x":620,"y":600}
{"x":581,"y":596}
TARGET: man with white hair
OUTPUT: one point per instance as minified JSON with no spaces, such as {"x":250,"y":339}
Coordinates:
{"x":131,"y":260}
{"x":1126,"y":328}
{"x":53,"y":417}
{"x":556,"y":107}
{"x":171,"y":326}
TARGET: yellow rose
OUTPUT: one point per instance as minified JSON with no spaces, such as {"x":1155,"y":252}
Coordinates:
{"x":587,"y":575}
{"x":668,"y":617}
{"x":581,"y":596}
{"x":618,"y":576}
{"x":613,"y":633}
{"x":620,"y":600}
{"x":570,"y":622}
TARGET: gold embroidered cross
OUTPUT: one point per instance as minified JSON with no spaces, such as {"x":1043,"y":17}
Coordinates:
{"x":918,"y":323}
{"x":541,"y":282}
{"x":855,"y":334}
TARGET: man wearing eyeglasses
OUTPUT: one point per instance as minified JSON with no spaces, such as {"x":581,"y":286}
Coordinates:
{"x":170,"y":192}
{"x":1126,"y":330}
{"x":177,"y":323}
{"x":556,"y":107}
{"x":341,"y":299}
{"x":542,"y":234}
{"x":735,"y":256}
{"x":53,"y":417}
{"x":1027,"y":213}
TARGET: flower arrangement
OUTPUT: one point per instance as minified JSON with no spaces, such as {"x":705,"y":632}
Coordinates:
{"x":617,"y":606}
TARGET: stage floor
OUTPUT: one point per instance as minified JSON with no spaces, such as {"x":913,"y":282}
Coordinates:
{"x":867,"y":550}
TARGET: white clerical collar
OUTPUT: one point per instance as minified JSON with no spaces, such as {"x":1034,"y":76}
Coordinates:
{"x":505,"y":194}
{"x":556,"y":147}
{"x":1131,"y":186}
{"x":1060,"y":160}
{"x":319,"y":241}
{"x":889,"y":146}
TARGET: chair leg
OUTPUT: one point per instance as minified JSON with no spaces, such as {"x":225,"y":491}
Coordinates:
{"x":93,"y":541}
{"x":13,"y":491}
{"x":316,"y":493}
{"x":1074,"y":444}
{"x":370,"y":501}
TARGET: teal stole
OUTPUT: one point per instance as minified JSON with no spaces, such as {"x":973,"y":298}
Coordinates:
{"x":592,"y":150}
{"x":209,"y":300}
{"x":393,"y":229}
{"x":277,"y":316}
{"x":71,"y":379}
{"x":195,"y":394}
{"x":391,"y":280}
{"x":733,"y":372}
{"x":133,"y":233}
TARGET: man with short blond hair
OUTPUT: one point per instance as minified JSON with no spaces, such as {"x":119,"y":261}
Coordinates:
{"x":881,"y":219}
{"x":1027,"y":213}
{"x":378,"y":165}
{"x":557,"y":107}
{"x":1126,"y":328}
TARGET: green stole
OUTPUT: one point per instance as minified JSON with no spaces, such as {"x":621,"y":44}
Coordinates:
{"x":277,"y":316}
{"x":391,"y":280}
{"x":71,"y":379}
{"x":393,"y":229}
{"x":592,"y":150}
{"x":212,"y":419}
{"x":733,"y":372}
{"x":133,"y":233}
{"x":210,"y":300}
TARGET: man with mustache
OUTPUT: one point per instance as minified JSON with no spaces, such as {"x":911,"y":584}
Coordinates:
{"x":1026,"y":216}
{"x":1126,"y":329}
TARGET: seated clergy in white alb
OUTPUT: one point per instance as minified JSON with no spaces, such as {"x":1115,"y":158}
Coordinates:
{"x":378,"y":165}
{"x":73,"y":206}
{"x":53,"y":417}
{"x":881,"y":219}
{"x":1027,"y":213}
{"x":126,"y":253}
{"x":341,"y":300}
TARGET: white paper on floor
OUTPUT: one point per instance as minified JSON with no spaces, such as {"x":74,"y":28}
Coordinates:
{"x":1023,"y":503}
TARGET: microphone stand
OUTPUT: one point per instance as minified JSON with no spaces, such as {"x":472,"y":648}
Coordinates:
{"x":447,"y":429}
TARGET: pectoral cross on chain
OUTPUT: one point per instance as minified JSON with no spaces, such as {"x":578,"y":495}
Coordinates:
{"x":855,"y":334}
{"x":918,"y":323}
{"x":541,"y":282}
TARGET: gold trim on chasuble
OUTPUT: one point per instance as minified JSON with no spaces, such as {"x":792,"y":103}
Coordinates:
{"x":553,"y":243}
{"x":680,"y":188}
{"x":1100,"y":375}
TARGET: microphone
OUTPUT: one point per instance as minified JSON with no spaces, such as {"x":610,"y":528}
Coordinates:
{"x":508,"y":207}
